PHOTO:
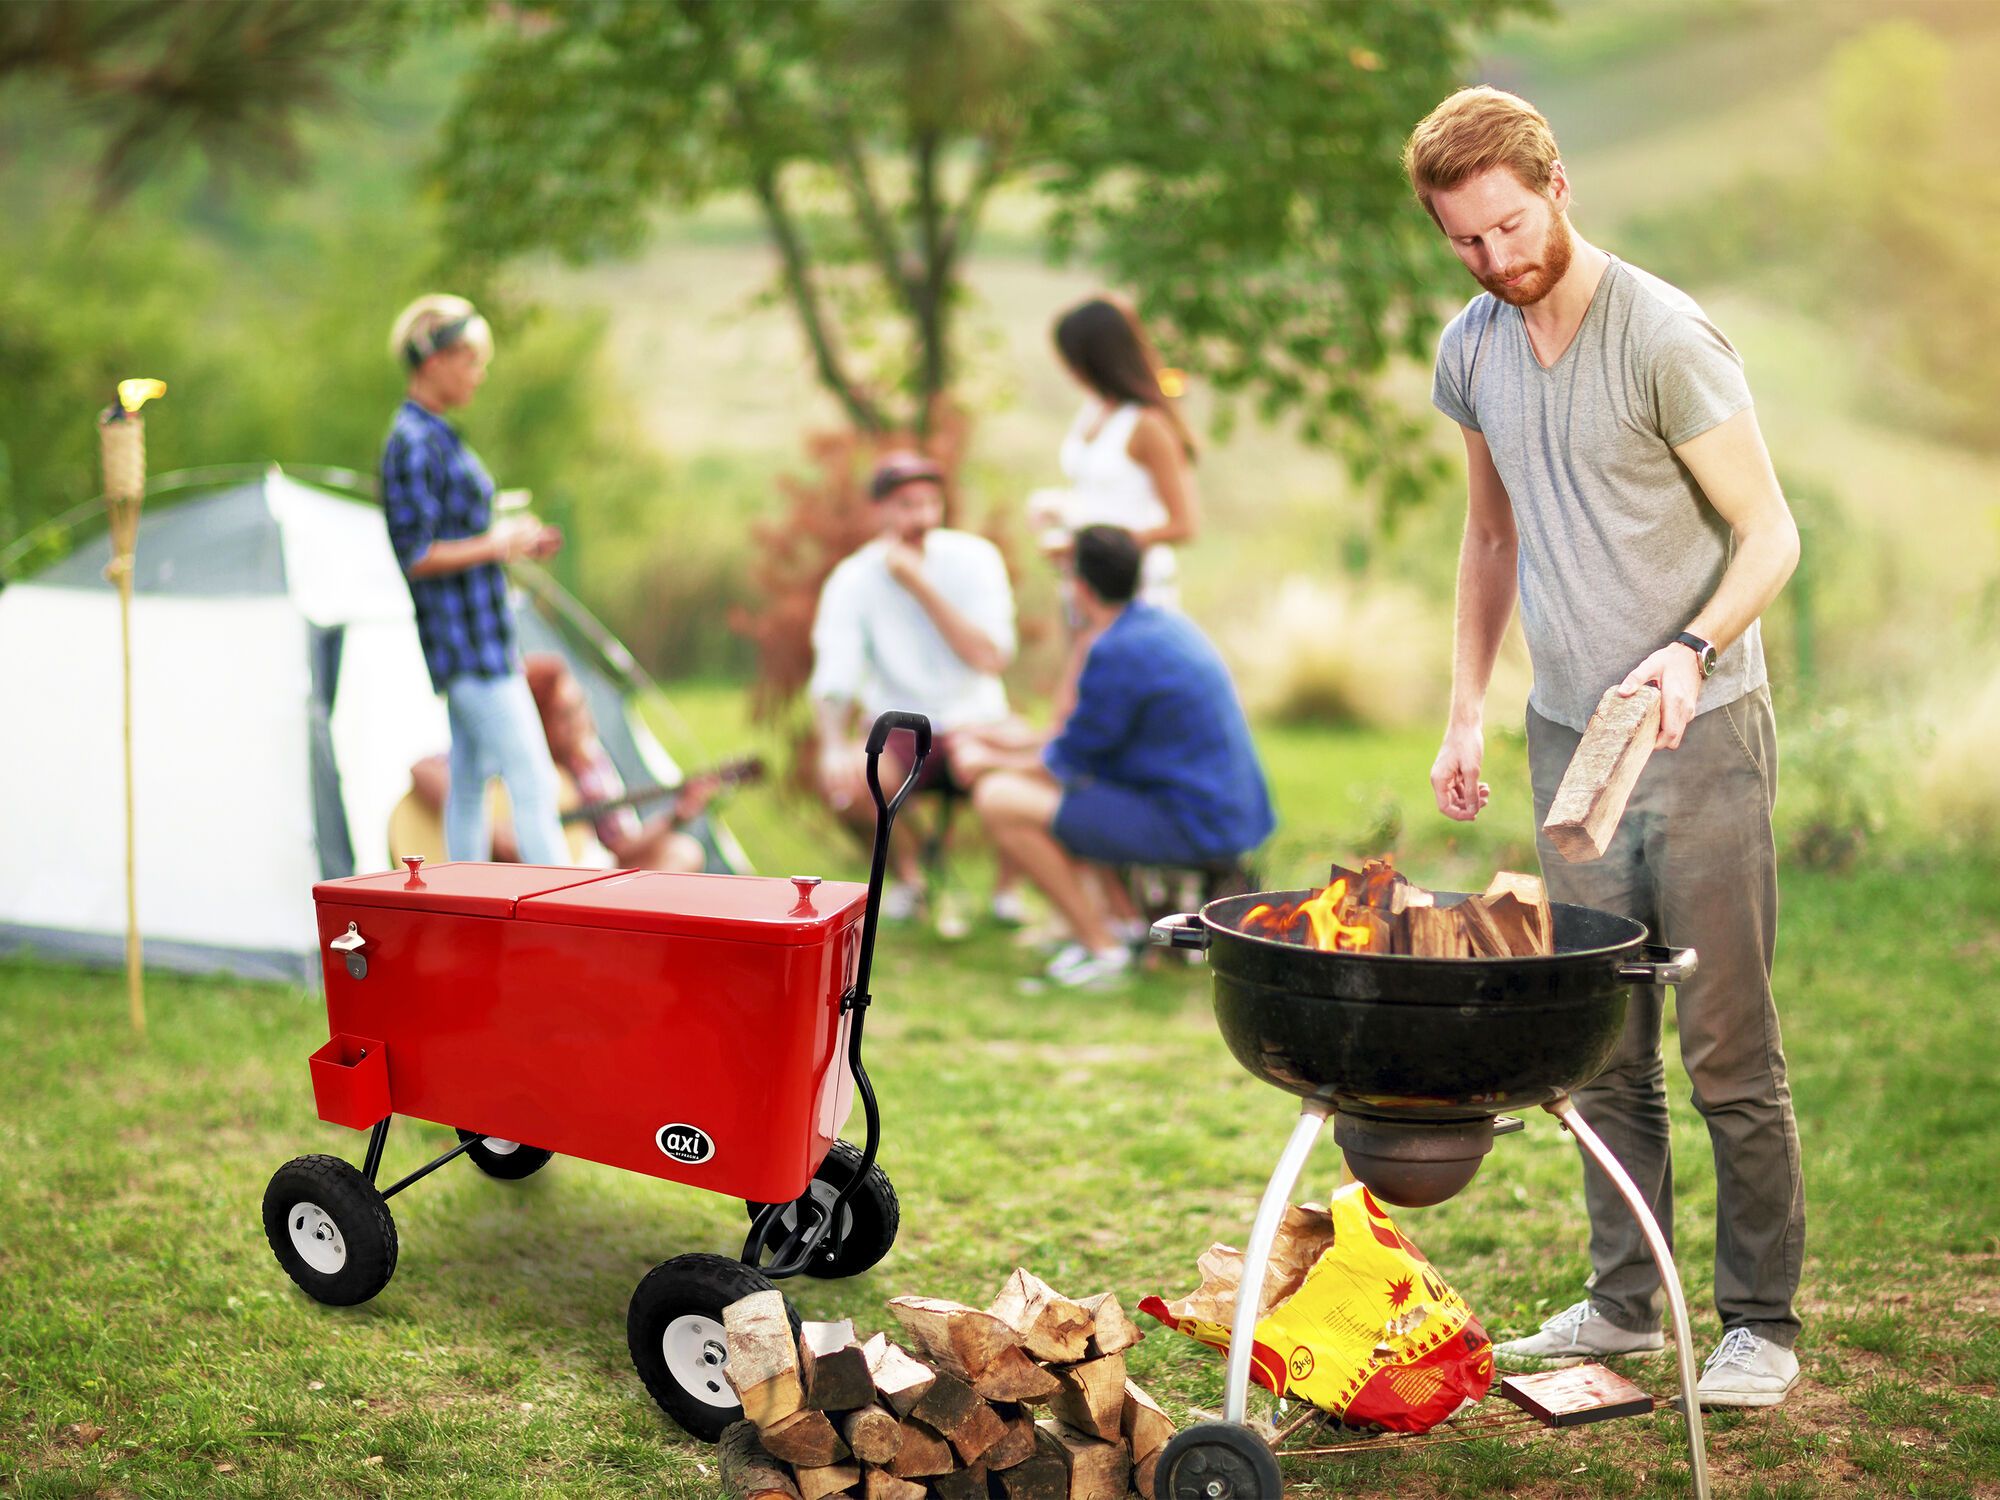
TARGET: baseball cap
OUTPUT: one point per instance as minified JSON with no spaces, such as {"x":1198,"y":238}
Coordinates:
{"x":899,"y":469}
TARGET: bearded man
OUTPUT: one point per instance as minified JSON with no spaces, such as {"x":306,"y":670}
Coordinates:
{"x":1619,"y":487}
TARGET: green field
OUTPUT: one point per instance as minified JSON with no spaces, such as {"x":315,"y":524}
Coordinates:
{"x":150,"y":1346}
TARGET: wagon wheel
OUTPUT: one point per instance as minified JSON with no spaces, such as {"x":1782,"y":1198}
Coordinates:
{"x":330,"y":1229}
{"x":1218,"y":1461}
{"x":868,"y":1221}
{"x":508,"y":1160}
{"x":674,"y":1329}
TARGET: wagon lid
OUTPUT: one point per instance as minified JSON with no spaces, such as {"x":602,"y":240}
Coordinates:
{"x":463,"y":888}
{"x":742,"y":908}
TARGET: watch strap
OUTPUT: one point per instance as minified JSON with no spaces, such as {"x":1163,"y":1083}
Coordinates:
{"x":1704,"y":651}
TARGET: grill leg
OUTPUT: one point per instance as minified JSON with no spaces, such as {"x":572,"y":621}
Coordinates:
{"x":1243,"y":1329}
{"x":1663,"y":1257}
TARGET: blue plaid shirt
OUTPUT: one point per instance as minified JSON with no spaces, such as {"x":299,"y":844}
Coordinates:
{"x":434,"y":489}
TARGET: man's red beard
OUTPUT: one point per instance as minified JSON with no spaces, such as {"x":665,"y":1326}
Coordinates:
{"x":1541,"y":278}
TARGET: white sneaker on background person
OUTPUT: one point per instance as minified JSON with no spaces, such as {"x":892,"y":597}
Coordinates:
{"x":1077,"y":967}
{"x":1577,"y":1334}
{"x":1746,"y":1370}
{"x":901,"y":900}
{"x":1010,"y":908}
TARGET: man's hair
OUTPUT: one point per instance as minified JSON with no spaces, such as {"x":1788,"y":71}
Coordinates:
{"x":898,"y":469}
{"x":436,"y":322}
{"x":1473,"y":131}
{"x":1107,"y":560}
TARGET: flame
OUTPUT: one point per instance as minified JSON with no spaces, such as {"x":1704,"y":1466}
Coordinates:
{"x":133,"y":394}
{"x":1326,"y":931}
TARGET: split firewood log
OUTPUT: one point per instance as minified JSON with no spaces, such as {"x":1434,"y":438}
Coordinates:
{"x":872,"y":1432}
{"x":922,"y":1452}
{"x":1042,"y":1477}
{"x":1091,"y":1396}
{"x":948,"y":1405}
{"x":1145,"y":1428}
{"x":900,"y":1380}
{"x":1516,"y":923}
{"x":763,"y":1359}
{"x":748,"y":1471}
{"x":962,"y":1484}
{"x":1533,"y":894}
{"x":1145,"y":1476}
{"x":1052,"y":1327}
{"x":1111,"y":1330}
{"x":974,"y":1345}
{"x":1482,"y":933}
{"x":977,"y":1434}
{"x":1615,"y":747}
{"x":1097,"y":1470}
{"x":1018,"y":1446}
{"x":832,"y":1367}
{"x":1437,"y":932}
{"x":805,"y":1439}
{"x":831,"y":1479}
{"x":880,"y":1484}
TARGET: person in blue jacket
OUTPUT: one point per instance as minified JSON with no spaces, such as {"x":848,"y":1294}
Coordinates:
{"x":1154,"y":765}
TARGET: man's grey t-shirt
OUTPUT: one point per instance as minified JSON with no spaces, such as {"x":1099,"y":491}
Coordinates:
{"x":1619,"y":549}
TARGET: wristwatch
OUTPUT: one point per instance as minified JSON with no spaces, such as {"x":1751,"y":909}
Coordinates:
{"x":1704,"y":652}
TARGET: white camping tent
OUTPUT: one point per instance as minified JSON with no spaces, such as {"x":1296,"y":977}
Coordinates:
{"x":279,"y":698}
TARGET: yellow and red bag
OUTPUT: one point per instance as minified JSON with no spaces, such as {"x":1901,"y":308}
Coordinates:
{"x":1353,"y":1319}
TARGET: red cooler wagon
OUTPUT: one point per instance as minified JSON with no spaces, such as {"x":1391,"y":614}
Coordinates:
{"x":705,"y":1029}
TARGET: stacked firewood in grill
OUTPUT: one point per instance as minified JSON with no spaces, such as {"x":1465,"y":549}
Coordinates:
{"x":1024,"y":1400}
{"x":1377,"y":910}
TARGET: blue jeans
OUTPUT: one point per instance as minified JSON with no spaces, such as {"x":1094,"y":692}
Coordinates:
{"x":495,"y":731}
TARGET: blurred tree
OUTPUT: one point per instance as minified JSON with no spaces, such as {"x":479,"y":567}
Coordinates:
{"x":1233,"y":161}
{"x":229,"y":77}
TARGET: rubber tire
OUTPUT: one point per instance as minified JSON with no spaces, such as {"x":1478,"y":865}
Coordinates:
{"x":358,"y":1211}
{"x":702,"y":1284}
{"x":523,"y":1161}
{"x":873,"y":1213}
{"x":1208,"y":1451}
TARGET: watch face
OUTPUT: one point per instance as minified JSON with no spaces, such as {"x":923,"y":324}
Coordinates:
{"x":1708,"y":661}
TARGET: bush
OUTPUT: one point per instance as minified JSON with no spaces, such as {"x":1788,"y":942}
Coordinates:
{"x":1335,"y":652}
{"x":1958,"y":790}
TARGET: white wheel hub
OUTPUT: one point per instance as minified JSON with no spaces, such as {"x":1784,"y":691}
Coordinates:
{"x":696,"y":1351}
{"x":497,"y":1147}
{"x":317,"y":1238}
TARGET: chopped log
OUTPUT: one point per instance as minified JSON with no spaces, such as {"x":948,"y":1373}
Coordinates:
{"x":1052,"y":1326}
{"x":1091,"y":1396}
{"x":948,"y":1405}
{"x":921,"y":1452}
{"x":1043,"y":1477}
{"x":1482,"y":933}
{"x":1018,"y":1446}
{"x":1530,"y":892}
{"x":1437,"y":932}
{"x":975,"y":1438}
{"x":1615,"y":747}
{"x":873,"y":1433}
{"x":1406,"y":896}
{"x":1145,"y":1428}
{"x":1515,"y":922}
{"x":965,"y":1484}
{"x":832,"y":1479}
{"x":900,"y":1380}
{"x":748,"y":1472}
{"x":1144,"y":1474}
{"x":880,"y":1484}
{"x":763,"y":1359}
{"x":1097,"y":1470}
{"x":974,"y":1345}
{"x":805,"y":1439}
{"x":832,"y":1367}
{"x":1111,"y":1331}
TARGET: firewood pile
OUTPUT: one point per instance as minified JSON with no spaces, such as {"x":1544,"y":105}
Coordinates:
{"x":952,"y":1417}
{"x":1376,"y":910}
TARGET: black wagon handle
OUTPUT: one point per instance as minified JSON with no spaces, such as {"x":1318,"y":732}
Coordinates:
{"x":1182,"y":930}
{"x":1661,"y":965}
{"x":885,"y":821}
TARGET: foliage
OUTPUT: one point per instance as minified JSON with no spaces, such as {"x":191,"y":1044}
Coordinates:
{"x":1836,"y":792}
{"x":1235,"y":163}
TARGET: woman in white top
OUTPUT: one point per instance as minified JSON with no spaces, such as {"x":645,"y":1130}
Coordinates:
{"x":1129,"y":458}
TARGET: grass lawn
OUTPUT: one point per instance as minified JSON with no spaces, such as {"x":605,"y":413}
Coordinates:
{"x":149,"y":1345}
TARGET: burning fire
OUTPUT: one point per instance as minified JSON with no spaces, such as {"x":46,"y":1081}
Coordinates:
{"x":1322,"y":914}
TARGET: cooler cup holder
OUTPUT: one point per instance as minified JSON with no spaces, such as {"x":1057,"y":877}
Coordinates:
{"x":350,"y":1077}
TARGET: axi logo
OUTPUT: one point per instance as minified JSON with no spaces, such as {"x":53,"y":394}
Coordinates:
{"x":685,"y":1143}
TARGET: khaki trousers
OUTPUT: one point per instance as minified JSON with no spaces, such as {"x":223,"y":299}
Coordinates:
{"x":1694,"y":860}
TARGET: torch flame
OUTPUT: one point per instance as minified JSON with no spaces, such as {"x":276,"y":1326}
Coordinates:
{"x":133,"y":394}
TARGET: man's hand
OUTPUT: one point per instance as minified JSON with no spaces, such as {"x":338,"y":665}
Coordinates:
{"x":1455,"y":774}
{"x":694,"y":797}
{"x":547,"y":542}
{"x":1678,"y":674}
{"x":843,"y":773}
{"x":905,"y":563}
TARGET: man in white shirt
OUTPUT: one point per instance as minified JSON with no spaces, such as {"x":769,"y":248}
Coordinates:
{"x":920,"y":619}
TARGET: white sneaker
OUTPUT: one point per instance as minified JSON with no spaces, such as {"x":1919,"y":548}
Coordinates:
{"x":1010,"y":908}
{"x":1577,"y":1334}
{"x":951,"y":923}
{"x":901,"y":900}
{"x":1746,"y":1370}
{"x":1078,"y":968}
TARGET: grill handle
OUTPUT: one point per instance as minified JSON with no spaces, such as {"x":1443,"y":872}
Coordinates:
{"x":1183,"y":930}
{"x":1662,"y":965}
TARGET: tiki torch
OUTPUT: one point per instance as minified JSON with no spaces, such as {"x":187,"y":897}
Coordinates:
{"x":121,"y":434}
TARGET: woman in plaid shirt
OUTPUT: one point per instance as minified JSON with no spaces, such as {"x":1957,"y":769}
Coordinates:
{"x":438,"y":501}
